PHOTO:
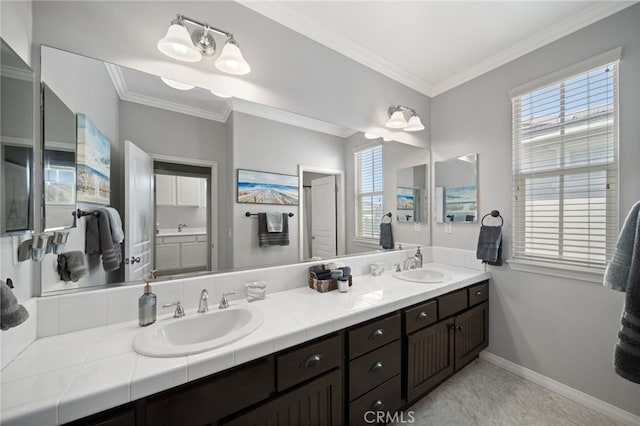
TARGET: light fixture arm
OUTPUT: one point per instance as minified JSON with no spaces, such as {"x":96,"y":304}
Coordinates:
{"x":204,"y":26}
{"x":401,"y":108}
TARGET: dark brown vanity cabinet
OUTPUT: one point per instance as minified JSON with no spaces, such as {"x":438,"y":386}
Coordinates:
{"x":374,"y":370}
{"x":435,"y":352}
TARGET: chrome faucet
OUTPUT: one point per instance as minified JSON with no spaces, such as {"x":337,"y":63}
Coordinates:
{"x":224,"y":302}
{"x":181,"y":226}
{"x":179,"y":309}
{"x":203,"y":306}
{"x":410,"y":263}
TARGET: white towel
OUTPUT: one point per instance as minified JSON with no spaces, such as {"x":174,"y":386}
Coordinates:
{"x":117,"y":234}
{"x":274,"y":221}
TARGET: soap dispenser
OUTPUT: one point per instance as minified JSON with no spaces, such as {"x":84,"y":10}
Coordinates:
{"x":418,"y":256}
{"x":147,"y":303}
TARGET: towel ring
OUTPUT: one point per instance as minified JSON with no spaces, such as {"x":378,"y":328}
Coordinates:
{"x":388,"y":215}
{"x":494,"y":213}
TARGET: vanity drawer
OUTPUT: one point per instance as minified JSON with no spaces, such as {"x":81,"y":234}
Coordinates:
{"x":373,"y":335}
{"x":385,"y":398}
{"x":374,"y":368}
{"x":478,"y":293}
{"x":179,"y":239}
{"x":420,"y":316}
{"x":452,"y":303}
{"x":308,"y":361}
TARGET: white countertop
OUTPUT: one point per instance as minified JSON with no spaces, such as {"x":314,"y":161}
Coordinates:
{"x":62,"y":378}
{"x":172,"y":232}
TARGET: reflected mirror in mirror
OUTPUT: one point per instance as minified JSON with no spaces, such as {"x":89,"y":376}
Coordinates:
{"x":148,"y":122}
{"x":456,"y":189}
{"x":411,"y":194}
{"x":59,"y":161}
{"x":16,"y":140}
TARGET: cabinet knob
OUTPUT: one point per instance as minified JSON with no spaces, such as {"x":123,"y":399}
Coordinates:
{"x":478,"y":293}
{"x":459,"y":328}
{"x":422,"y":315}
{"x":378,"y":366}
{"x":312,"y":361}
{"x":377,"y":334}
{"x":378,"y":405}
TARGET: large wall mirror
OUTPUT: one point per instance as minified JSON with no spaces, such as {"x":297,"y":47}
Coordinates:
{"x":411,"y":194}
{"x":456,"y":189}
{"x":173,"y":153}
{"x":16,"y":143}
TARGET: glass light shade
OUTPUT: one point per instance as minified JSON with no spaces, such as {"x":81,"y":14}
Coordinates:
{"x":231,"y":60}
{"x":414,"y":124}
{"x":386,"y":139}
{"x":397,"y":120}
{"x":177,"y":44}
{"x":177,"y":84}
{"x":220,"y":95}
{"x":371,"y":136}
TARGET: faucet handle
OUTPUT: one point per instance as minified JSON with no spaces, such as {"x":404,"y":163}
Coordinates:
{"x":224,"y":302}
{"x":179,"y":309}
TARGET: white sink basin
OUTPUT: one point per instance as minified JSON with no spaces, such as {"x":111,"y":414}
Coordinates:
{"x":423,"y":276}
{"x":198,"y":332}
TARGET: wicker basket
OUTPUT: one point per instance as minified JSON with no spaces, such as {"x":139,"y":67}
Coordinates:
{"x":323,"y":285}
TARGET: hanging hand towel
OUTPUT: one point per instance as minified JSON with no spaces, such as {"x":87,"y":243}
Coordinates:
{"x":490,"y":245}
{"x":627,"y":353}
{"x":274,"y":221}
{"x":115,"y":222}
{"x":617,"y":274}
{"x":72,"y":266}
{"x":386,"y":236}
{"x":266,"y":238}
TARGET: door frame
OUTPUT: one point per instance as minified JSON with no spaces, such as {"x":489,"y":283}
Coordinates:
{"x":340,"y":207}
{"x":213,"y":192}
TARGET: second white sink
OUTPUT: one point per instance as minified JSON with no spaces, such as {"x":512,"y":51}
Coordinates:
{"x":423,"y":275}
{"x":197,"y":333}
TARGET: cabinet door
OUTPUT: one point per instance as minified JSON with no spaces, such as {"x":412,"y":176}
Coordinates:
{"x":167,"y":257}
{"x":472,"y":334}
{"x":188,"y":190}
{"x":194,"y":255}
{"x":165,"y":190}
{"x":316,"y":403}
{"x":430,"y":358}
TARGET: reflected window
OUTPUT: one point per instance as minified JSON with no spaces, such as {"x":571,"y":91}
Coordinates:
{"x":369,"y":192}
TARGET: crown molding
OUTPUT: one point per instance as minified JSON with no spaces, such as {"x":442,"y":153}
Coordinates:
{"x":16,"y":73}
{"x":301,"y":24}
{"x":281,"y":116}
{"x":125,"y":94}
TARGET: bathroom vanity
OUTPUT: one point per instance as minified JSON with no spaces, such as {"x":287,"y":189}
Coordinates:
{"x":385,"y":363}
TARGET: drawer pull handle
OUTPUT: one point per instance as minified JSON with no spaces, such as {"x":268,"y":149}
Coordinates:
{"x":377,"y":334}
{"x":378,"y":366}
{"x":459,"y":328}
{"x":378,"y":405}
{"x":312,"y":361}
{"x":422,"y":315}
{"x":478,"y":293}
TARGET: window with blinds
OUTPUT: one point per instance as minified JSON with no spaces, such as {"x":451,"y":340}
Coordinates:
{"x":369,"y":192}
{"x":565,"y":170}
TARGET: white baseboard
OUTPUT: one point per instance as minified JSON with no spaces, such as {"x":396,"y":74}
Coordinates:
{"x":582,"y":398}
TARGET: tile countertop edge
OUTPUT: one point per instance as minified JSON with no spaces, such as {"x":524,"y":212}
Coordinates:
{"x":372,"y":302}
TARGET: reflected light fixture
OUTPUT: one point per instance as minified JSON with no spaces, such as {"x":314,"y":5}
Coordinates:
{"x":178,"y":85}
{"x":187,"y":46}
{"x":397,"y":119}
{"x":220,"y":95}
{"x":370,"y":136}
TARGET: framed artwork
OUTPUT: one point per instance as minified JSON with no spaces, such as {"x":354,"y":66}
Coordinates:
{"x":461,"y":203}
{"x":94,"y":163}
{"x":267,"y":188}
{"x":405,"y":198}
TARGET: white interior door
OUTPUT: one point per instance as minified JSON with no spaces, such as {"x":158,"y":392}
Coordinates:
{"x":138,"y":244}
{"x":323,"y":217}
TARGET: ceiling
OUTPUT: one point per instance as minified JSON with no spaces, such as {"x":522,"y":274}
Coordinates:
{"x":433,"y":46}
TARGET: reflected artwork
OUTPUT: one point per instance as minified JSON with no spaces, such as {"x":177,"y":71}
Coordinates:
{"x":94,"y":163}
{"x":267,"y":188}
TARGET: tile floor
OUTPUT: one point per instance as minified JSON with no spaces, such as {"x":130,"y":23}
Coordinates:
{"x":485,"y":395}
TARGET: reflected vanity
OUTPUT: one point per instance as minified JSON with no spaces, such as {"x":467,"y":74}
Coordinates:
{"x":456,"y":189}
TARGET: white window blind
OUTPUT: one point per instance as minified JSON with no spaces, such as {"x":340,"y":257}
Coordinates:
{"x":565,"y":170}
{"x":369,"y":192}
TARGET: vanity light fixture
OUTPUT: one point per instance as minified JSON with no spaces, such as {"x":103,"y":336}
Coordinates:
{"x":397,"y":119}
{"x":371,"y":136}
{"x":187,"y":46}
{"x":178,"y":85}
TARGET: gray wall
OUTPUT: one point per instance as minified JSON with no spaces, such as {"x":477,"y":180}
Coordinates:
{"x":564,"y":329}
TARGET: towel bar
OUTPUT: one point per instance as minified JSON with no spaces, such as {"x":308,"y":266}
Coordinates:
{"x":249,"y":214}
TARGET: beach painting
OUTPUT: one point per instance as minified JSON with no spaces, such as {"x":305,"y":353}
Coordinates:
{"x":94,"y":163}
{"x":461,"y":203}
{"x":267,"y":188}
{"x":406,"y":198}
